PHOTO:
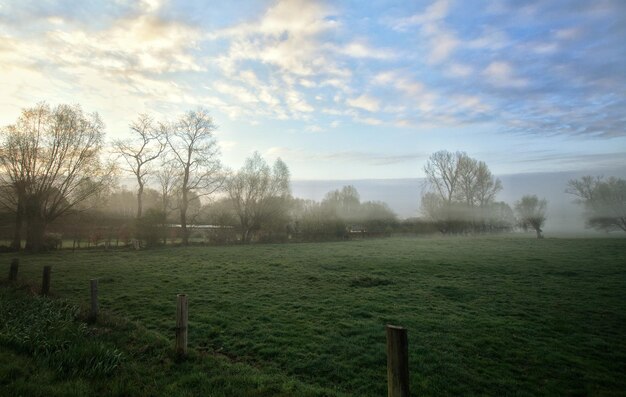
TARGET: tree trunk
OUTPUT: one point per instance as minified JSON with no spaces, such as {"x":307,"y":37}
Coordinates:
{"x":19,"y":220}
{"x":183,"y":218}
{"x":35,"y":231}
{"x":539,"y":233}
{"x":245,"y":236}
{"x":139,"y":201}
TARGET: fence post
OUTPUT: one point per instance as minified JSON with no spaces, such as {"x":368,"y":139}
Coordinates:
{"x":397,"y":362}
{"x":93,"y":314}
{"x":45,"y":284}
{"x":15,"y":263}
{"x":181,"y":324}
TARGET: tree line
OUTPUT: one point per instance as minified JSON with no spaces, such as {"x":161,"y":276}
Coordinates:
{"x":52,"y":172}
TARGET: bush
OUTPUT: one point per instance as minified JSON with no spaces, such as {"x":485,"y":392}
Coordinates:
{"x":52,"y":241}
{"x":151,"y":227}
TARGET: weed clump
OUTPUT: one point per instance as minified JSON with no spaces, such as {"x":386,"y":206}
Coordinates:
{"x":49,"y":330}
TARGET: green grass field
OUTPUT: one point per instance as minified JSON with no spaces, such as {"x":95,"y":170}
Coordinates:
{"x":486,"y":315}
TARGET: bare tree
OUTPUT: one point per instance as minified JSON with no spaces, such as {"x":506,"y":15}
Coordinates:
{"x":168,"y":176}
{"x":462,"y":191}
{"x":258,"y":194}
{"x":195,"y":152}
{"x":443,"y":172}
{"x":345,"y":203}
{"x":144,"y":147}
{"x":51,"y":159}
{"x":486,"y":187}
{"x":531,"y":211}
{"x":604,"y":201}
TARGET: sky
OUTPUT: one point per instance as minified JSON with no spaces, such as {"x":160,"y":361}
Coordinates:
{"x":341,"y":89}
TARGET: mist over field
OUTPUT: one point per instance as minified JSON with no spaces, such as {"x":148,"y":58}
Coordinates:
{"x":313,"y":198}
{"x":564,"y":217}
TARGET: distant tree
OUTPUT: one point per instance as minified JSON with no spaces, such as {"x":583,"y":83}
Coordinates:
{"x":604,"y":201}
{"x":497,"y":217}
{"x":345,"y":203}
{"x":461,"y":192}
{"x":443,"y":171}
{"x":196,"y":155}
{"x":259,"y":194}
{"x":139,"y":151}
{"x":376,"y":216}
{"x":531,"y":212}
{"x":50,"y":157}
{"x":168,"y":176}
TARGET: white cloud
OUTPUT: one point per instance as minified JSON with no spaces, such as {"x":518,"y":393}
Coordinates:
{"x":360,"y":49}
{"x":437,"y":11}
{"x":365,"y":102}
{"x":501,"y":74}
{"x":459,"y":70}
{"x":442,"y":43}
{"x":491,"y":39}
{"x":568,"y":33}
{"x":471,"y":103}
{"x":239,"y":93}
{"x":396,"y":79}
{"x":371,"y":121}
{"x":314,"y":128}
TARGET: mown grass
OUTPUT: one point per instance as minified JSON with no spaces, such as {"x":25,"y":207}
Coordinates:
{"x":486,"y":316}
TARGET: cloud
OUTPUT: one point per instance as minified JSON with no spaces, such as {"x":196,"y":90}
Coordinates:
{"x":360,"y":49}
{"x":286,"y":36}
{"x":459,"y":70}
{"x":435,"y":12}
{"x":441,"y":41}
{"x":501,"y":74}
{"x":365,"y":102}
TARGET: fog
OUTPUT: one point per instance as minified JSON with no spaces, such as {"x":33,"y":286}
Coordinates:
{"x":564,"y":217}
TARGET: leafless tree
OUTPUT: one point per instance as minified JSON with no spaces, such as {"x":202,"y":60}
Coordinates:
{"x":462,"y":191}
{"x":50,"y":157}
{"x":138,"y":152}
{"x":531,"y":211}
{"x":604,"y":201}
{"x":195,"y":152}
{"x":442,"y":172}
{"x":486,"y":186}
{"x":168,"y":176}
{"x":258,"y":194}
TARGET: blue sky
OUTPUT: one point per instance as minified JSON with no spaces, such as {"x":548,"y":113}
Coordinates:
{"x":340,"y":90}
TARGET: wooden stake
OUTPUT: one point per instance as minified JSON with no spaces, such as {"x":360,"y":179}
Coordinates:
{"x":93,"y":314}
{"x":15,"y":263}
{"x":181,"y":324}
{"x":397,"y":362}
{"x":45,"y":284}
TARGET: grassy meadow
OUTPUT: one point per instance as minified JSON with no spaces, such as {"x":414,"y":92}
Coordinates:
{"x":486,"y":316}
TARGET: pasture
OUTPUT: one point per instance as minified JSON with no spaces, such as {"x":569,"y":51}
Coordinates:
{"x":486,"y":315}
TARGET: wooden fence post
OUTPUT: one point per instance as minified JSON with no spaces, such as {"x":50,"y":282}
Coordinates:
{"x":15,"y":263}
{"x":93,"y":314}
{"x":397,"y":362}
{"x":45,"y":284}
{"x":181,"y":324}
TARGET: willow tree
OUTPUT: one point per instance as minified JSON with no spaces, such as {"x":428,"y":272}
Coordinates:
{"x":50,"y":159}
{"x":259,"y":194}
{"x":531,"y":212}
{"x":195,"y":153}
{"x":604,"y":201}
